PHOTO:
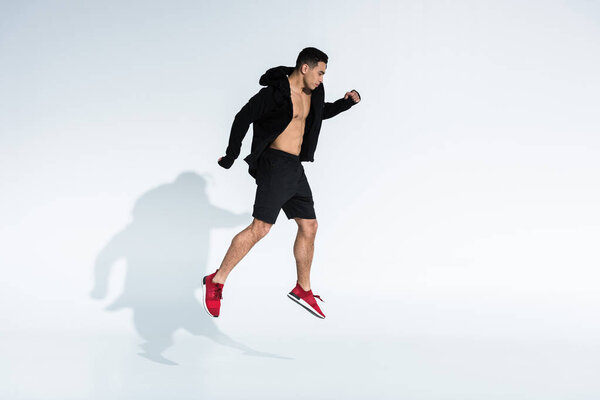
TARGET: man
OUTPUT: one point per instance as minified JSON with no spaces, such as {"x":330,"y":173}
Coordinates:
{"x":286,"y":116}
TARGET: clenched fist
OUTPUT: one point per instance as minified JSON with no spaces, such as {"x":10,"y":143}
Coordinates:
{"x":353,"y":94}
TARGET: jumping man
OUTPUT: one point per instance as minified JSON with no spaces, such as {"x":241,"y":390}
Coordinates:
{"x":286,"y":115}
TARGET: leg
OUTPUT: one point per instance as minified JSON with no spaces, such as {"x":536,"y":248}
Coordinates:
{"x":303,"y":251}
{"x":304,"y":247}
{"x":240,"y":246}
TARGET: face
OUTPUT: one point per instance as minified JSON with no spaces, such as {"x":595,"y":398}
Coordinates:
{"x":313,"y":77}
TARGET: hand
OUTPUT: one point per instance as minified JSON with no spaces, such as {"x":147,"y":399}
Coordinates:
{"x":353,"y":94}
{"x":225,"y":162}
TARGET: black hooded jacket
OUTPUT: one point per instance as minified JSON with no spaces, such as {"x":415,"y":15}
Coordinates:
{"x":270,"y":111}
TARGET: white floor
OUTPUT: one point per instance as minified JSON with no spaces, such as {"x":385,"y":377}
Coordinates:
{"x":367,"y":362}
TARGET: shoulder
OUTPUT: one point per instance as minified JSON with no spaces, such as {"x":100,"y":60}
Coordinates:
{"x":266,"y":91}
{"x":264,"y":95}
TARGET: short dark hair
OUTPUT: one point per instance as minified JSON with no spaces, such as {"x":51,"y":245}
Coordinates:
{"x":310,"y":56}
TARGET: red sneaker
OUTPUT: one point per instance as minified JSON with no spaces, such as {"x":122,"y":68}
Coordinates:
{"x":212,"y":293}
{"x":307,"y":300}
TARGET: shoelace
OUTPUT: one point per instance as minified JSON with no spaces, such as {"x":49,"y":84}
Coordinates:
{"x":318,"y":297}
{"x":218,"y":293}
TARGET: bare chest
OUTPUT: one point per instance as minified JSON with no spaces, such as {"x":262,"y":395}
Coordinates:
{"x":301,"y":106}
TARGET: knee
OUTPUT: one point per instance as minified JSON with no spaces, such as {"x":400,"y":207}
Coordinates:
{"x":260,"y":228}
{"x":308,"y":227}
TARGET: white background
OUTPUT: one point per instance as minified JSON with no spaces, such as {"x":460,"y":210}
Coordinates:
{"x":457,"y":250}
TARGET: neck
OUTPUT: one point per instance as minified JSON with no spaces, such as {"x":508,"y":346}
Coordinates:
{"x":297,"y":83}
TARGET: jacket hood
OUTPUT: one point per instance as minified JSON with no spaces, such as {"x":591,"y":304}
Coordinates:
{"x":275,"y":75}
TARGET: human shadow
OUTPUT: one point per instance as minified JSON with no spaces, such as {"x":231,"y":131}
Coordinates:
{"x":166,"y":247}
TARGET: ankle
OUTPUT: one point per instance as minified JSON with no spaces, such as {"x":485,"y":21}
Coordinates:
{"x":305,"y":287}
{"x":218,"y":279}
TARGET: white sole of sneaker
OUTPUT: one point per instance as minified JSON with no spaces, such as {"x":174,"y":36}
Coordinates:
{"x":304,"y":304}
{"x":204,"y":298}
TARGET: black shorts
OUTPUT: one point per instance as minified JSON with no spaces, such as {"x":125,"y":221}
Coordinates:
{"x":281,"y":183}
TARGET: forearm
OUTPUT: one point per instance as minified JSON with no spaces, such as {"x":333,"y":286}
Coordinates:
{"x":239,"y":128}
{"x":332,"y":109}
{"x":252,"y":111}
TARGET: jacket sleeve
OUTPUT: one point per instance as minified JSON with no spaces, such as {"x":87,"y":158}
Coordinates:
{"x":252,"y":111}
{"x":332,"y":109}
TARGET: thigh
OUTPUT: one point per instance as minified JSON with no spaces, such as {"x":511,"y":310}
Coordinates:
{"x":301,"y":205}
{"x":274,"y":186}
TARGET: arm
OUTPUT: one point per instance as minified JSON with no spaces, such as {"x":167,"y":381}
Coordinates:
{"x":114,"y":250}
{"x":254,"y":109}
{"x":332,"y":109}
